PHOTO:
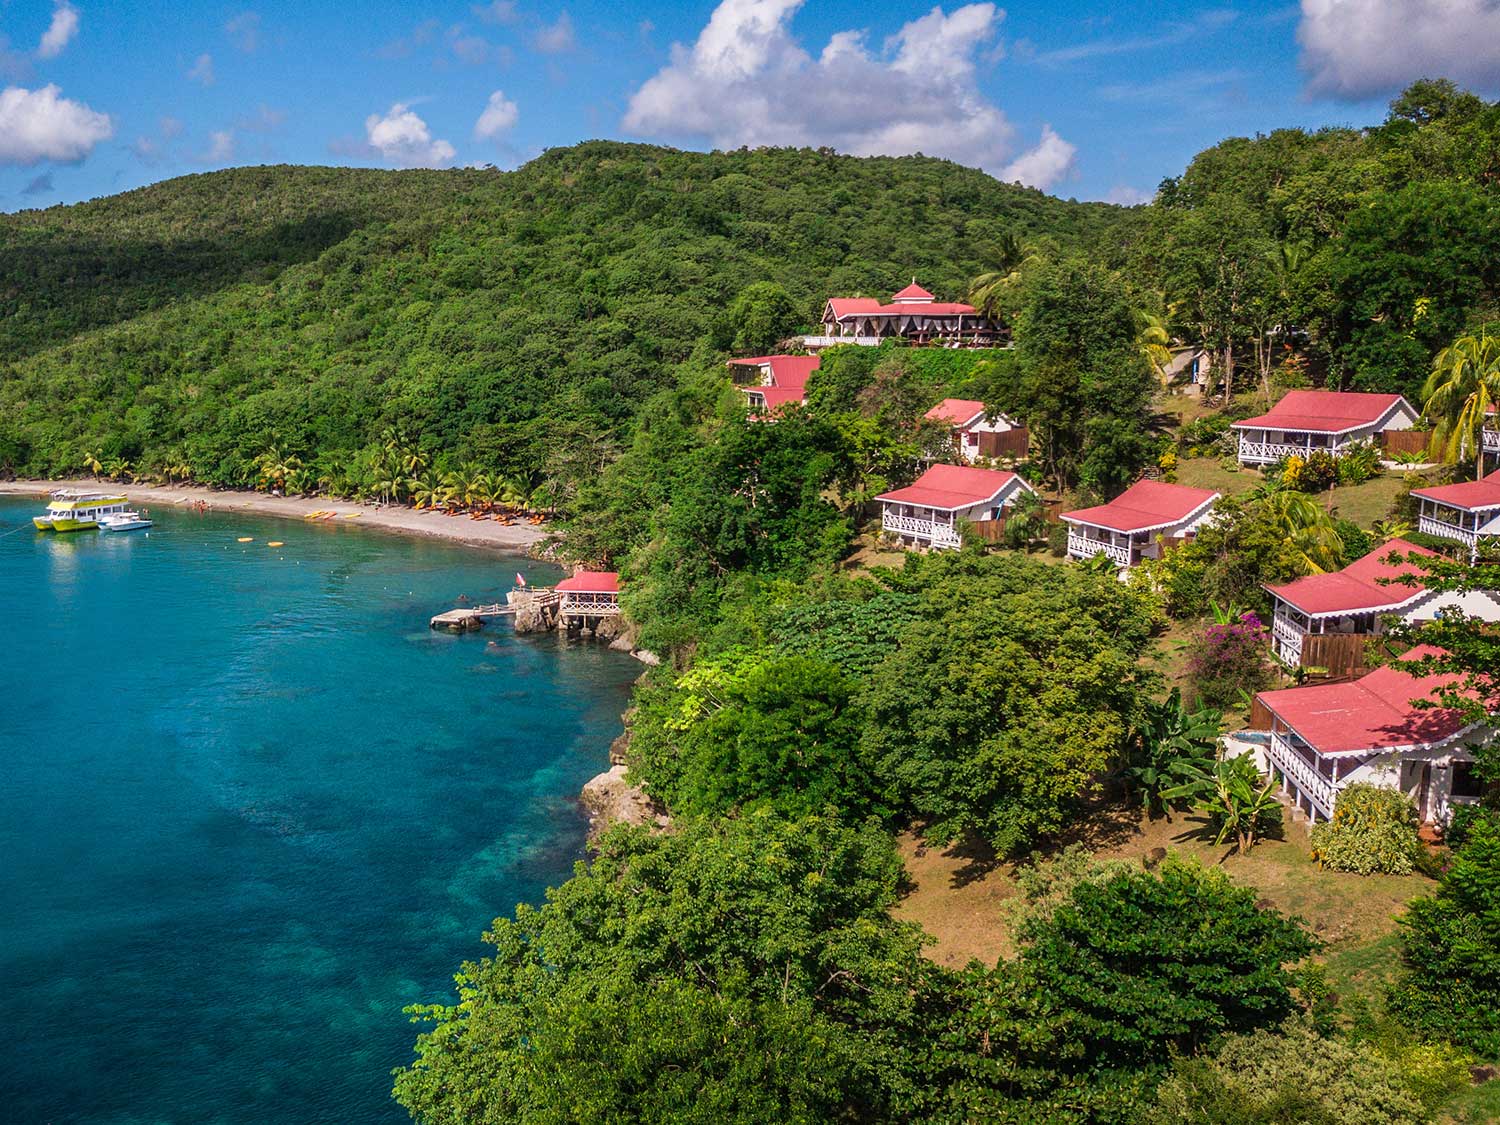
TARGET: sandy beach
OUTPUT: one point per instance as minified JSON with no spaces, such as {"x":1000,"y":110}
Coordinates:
{"x":515,"y":538}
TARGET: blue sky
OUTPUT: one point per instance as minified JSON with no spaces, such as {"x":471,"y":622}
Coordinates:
{"x":1083,"y":98}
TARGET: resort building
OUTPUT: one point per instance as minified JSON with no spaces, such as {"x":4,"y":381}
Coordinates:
{"x":588,"y":594}
{"x":913,"y":314}
{"x":1329,"y":736}
{"x":976,"y":433}
{"x":770,"y":382}
{"x":1465,"y":512}
{"x":1305,"y":422}
{"x":1346,"y":606}
{"x":1135,"y":525}
{"x":928,"y":511}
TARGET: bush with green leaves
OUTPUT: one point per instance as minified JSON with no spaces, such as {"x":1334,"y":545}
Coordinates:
{"x":1292,"y":1074}
{"x":1171,"y":747}
{"x":1373,"y":830}
{"x":1450,"y":986}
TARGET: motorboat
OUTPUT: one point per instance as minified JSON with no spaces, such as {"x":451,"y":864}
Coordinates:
{"x":123,"y":521}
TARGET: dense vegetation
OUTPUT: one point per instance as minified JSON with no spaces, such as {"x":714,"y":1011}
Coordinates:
{"x":563,"y":328}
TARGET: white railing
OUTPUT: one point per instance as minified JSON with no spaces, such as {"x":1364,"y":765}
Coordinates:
{"x":589,"y":603}
{"x":1431,"y":525}
{"x":834,"y":341}
{"x":1267,"y":452}
{"x":1288,"y":639}
{"x":1491,"y":439}
{"x":1309,"y":782}
{"x":1082,"y":547}
{"x":936,"y":532}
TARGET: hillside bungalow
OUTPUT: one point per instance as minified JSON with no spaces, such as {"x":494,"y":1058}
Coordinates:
{"x":1354,"y":602}
{"x":770,"y":382}
{"x":1132,"y":526}
{"x":912,"y":314}
{"x":589,"y":593}
{"x":1305,"y":422}
{"x":1465,"y":512}
{"x":1329,"y":736}
{"x":977,"y":434}
{"x":927,"y":511}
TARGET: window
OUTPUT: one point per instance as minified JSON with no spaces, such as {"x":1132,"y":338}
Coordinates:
{"x":1466,"y":782}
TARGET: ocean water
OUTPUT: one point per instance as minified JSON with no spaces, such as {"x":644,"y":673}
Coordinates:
{"x":251,"y":806}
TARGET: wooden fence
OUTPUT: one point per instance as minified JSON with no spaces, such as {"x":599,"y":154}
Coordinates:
{"x":991,"y":531}
{"x":1405,"y":441}
{"x":1260,"y":715}
{"x":1012,"y":443}
{"x":1342,"y":654}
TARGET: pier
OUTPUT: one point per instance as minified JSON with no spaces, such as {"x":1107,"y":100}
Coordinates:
{"x":467,"y":619}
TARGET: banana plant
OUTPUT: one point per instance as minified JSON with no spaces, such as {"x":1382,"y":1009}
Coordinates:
{"x":1171,"y":748}
{"x":1237,"y":799}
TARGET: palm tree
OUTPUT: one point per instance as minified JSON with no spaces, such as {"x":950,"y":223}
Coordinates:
{"x":1459,"y":394}
{"x":117,"y":468}
{"x":1386,"y":530}
{"x":92,"y":463}
{"x":427,"y":491}
{"x":1002,"y":271}
{"x":1152,"y":340}
{"x":1306,"y":526}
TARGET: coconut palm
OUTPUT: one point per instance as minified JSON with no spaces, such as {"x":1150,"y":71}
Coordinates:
{"x":1004,"y":264}
{"x":427,"y":491}
{"x":1459,"y":394}
{"x":92,"y":463}
{"x":117,"y":468}
{"x":1152,"y":340}
{"x":1386,"y":530}
{"x":1306,"y":526}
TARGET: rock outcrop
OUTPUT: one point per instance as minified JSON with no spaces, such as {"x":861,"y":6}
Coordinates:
{"x":610,"y":800}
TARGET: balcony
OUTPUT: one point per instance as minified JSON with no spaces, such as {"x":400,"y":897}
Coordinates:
{"x":588,"y":603}
{"x":1293,"y":767}
{"x":1082,"y":547}
{"x":937,"y":533}
{"x":1269,"y":452}
{"x":1491,"y":440}
{"x":1431,"y":525}
{"x":1287,"y":637}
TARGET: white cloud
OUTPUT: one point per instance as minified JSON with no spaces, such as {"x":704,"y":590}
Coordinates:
{"x":220,"y":147}
{"x":1126,"y":196}
{"x":1360,"y":49}
{"x":244,"y":31}
{"x":555,"y":38}
{"x":747,"y":80}
{"x":202,"y":70}
{"x":59,"y":32}
{"x":1168,"y":35}
{"x":402,"y":138}
{"x":499,"y":117}
{"x":37,"y":125}
{"x":263,"y":120}
{"x":1043,"y":166}
{"x":497,"y":12}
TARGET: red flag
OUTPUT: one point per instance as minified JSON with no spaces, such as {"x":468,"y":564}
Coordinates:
{"x":520,"y":579}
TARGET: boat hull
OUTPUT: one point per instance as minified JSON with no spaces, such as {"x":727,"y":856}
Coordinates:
{"x":133,"y":525}
{"x":64,"y":523}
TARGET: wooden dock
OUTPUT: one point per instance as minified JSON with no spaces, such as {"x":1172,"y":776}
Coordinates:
{"x":468,"y":619}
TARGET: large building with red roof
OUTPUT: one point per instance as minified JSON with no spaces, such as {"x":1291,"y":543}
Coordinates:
{"x":975,"y":429}
{"x":1467,"y":512}
{"x":1357,"y":600}
{"x":928,"y":511}
{"x":1370,"y":730}
{"x":770,"y":382}
{"x":1305,"y":422}
{"x":1131,"y":527}
{"x":912,"y":314}
{"x":588,"y":595}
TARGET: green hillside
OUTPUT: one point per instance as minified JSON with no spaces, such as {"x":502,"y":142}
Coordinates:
{"x":206,"y":318}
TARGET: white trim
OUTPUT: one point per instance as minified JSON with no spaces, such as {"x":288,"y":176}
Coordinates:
{"x":887,"y":498}
{"x":1214,"y":499}
{"x":1378,"y":423}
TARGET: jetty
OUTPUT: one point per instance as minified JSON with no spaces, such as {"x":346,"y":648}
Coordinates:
{"x":587,"y":602}
{"x":467,"y":619}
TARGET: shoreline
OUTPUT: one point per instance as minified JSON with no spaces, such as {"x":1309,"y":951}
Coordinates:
{"x":516,"y":538}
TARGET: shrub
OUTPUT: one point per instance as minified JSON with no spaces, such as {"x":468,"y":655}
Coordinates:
{"x":1360,"y":462}
{"x":1226,"y":660}
{"x":1313,"y":473}
{"x":1357,"y":541}
{"x":1204,"y":436}
{"x":1267,"y":1078}
{"x":1372,"y":830}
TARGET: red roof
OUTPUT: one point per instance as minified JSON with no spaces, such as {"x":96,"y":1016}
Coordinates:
{"x":1371,"y":713}
{"x":592,"y":582}
{"x":869,"y":306}
{"x":1471,"y":495}
{"x":911,"y":292}
{"x":787,"y":371}
{"x":1356,"y":588}
{"x":1145,"y":505}
{"x":1324,"y":412}
{"x":951,"y":486}
{"x":956,"y":411}
{"x":776,"y":396}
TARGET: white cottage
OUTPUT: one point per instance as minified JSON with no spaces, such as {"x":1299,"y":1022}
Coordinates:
{"x":1329,"y":736}
{"x":928,"y":511}
{"x":1466,"y":513}
{"x":1132,"y":526}
{"x":770,"y":382}
{"x":1355,"y":601}
{"x":976,"y":431}
{"x":1305,"y":422}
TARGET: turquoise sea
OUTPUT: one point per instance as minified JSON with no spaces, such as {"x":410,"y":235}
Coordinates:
{"x":250,"y":807}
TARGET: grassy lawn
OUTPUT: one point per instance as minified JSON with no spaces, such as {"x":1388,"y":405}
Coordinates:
{"x":957,"y":896}
{"x":1363,"y":504}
